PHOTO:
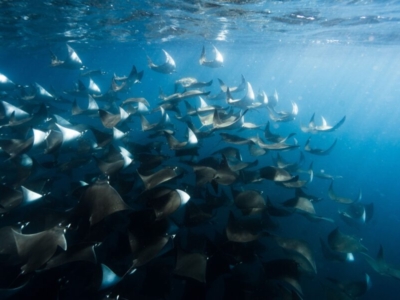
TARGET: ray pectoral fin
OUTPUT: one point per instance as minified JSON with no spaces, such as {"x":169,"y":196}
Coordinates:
{"x":202,"y":56}
{"x":161,"y":176}
{"x":147,"y":249}
{"x":191,"y":265}
{"x":341,"y":242}
{"x":340,"y":123}
{"x":276,"y":174}
{"x":109,"y":278}
{"x":373,"y":263}
{"x":102,"y":200}
{"x":149,"y":61}
{"x":236,"y":231}
{"x":77,"y":253}
{"x":331,"y":147}
{"x":37,"y":249}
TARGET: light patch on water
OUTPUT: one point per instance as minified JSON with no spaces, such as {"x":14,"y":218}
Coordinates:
{"x":168,"y":38}
{"x":79,"y":32}
{"x":222,"y":35}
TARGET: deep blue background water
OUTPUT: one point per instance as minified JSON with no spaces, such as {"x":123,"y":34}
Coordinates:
{"x":356,"y":77}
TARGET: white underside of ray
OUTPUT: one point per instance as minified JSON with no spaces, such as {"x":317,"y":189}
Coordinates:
{"x":73,"y":57}
{"x":9,"y":109}
{"x":109,"y":278}
{"x":39,"y":137}
{"x":93,"y":87}
{"x":192,"y":139}
{"x":68,"y":134}
{"x":42,"y":92}
{"x":124,"y":115}
{"x":29,"y":196}
{"x":169,"y":60}
{"x":183,"y":195}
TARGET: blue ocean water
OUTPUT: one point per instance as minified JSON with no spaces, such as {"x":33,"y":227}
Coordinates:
{"x":332,"y":58}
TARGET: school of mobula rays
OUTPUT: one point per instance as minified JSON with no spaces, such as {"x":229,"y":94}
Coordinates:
{"x":89,"y":212}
